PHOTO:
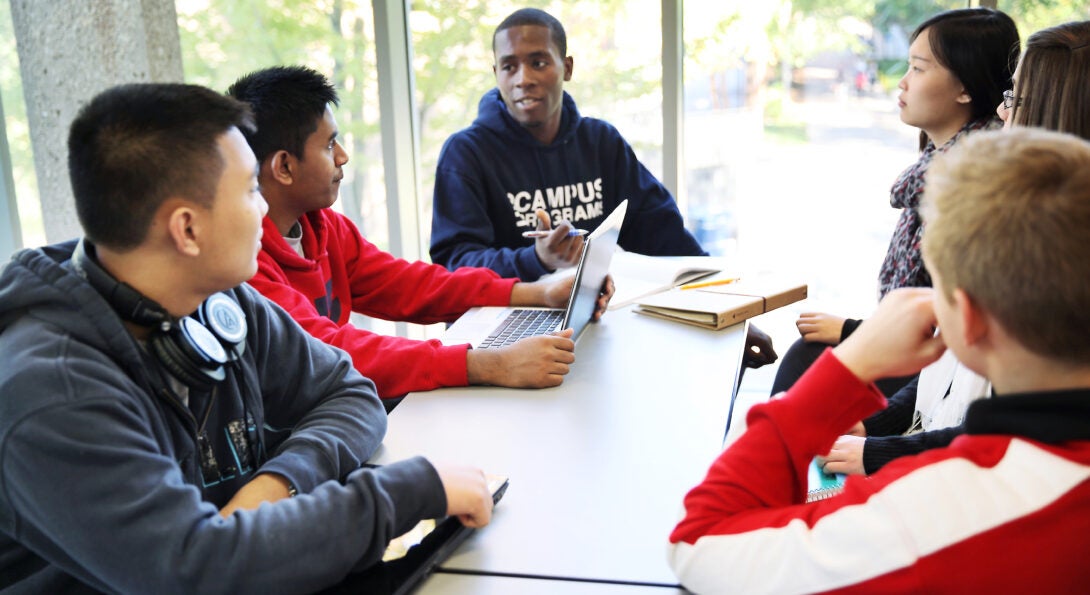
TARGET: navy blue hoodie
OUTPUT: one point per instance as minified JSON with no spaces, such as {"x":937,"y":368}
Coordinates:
{"x":102,"y":486}
{"x":494,"y":175}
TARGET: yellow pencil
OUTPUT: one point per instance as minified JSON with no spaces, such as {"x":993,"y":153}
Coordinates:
{"x":710,"y":283}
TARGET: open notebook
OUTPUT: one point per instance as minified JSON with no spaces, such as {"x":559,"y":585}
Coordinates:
{"x":637,"y":276}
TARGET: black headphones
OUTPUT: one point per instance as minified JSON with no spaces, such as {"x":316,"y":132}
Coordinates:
{"x":193,"y":348}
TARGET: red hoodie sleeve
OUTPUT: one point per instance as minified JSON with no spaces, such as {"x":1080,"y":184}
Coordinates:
{"x":392,"y":288}
{"x":755,"y":484}
{"x":396,"y":365}
{"x":354,"y":271}
{"x":767,"y":466}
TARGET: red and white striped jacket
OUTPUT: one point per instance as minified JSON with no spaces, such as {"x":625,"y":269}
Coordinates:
{"x":1004,"y":508}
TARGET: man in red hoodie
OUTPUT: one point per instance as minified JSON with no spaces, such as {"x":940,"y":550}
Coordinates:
{"x":316,"y":265}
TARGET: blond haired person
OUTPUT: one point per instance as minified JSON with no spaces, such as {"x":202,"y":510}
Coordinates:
{"x":1002,"y":509}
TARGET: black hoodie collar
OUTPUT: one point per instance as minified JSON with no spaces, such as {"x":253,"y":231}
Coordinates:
{"x":1048,"y":417}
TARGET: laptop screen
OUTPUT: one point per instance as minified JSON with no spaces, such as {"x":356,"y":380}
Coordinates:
{"x":590,"y":274}
{"x":496,"y":326}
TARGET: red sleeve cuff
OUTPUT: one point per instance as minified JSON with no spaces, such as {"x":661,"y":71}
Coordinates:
{"x":826,"y":401}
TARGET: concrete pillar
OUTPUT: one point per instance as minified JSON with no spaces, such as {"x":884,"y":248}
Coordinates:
{"x":70,"y":50}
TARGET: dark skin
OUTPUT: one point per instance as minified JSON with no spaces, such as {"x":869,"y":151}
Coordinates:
{"x":530,"y":74}
{"x":759,"y":350}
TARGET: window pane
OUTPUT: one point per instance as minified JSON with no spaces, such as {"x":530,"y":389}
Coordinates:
{"x":794,"y":139}
{"x":225,"y":39}
{"x":789,"y":161}
{"x":18,"y":135}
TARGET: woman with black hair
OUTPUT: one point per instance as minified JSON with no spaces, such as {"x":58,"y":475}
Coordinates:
{"x":959,"y":64}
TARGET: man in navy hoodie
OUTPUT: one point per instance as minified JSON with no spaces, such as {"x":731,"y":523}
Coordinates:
{"x":157,"y":414}
{"x":531,"y":162}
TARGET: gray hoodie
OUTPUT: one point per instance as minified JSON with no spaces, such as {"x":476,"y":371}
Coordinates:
{"x":102,"y":483}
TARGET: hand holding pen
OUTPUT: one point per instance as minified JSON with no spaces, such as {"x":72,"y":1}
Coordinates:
{"x":557,"y":247}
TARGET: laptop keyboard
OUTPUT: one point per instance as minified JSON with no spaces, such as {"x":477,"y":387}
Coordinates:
{"x":523,"y":323}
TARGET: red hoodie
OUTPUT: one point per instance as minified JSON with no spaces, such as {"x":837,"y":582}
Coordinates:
{"x":343,"y":272}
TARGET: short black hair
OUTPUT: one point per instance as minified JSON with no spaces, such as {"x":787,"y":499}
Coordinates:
{"x":535,"y":16}
{"x":288,"y":102}
{"x":980,"y":47}
{"x":134,"y":145}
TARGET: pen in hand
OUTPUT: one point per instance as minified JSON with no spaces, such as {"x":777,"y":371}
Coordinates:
{"x":544,"y":232}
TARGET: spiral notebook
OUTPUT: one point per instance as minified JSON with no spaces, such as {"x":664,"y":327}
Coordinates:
{"x":823,"y":485}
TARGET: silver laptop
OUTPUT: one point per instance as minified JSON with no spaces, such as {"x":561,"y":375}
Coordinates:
{"x":492,"y":327}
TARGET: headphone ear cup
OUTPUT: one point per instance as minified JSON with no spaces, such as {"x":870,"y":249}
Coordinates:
{"x":191,"y":353}
{"x":221,"y":315}
{"x":193,"y":350}
{"x":168,"y":354}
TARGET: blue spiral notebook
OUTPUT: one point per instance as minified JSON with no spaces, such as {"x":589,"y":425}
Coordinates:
{"x":822,"y":485}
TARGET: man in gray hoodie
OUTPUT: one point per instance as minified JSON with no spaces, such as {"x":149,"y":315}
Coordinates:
{"x":157,"y":415}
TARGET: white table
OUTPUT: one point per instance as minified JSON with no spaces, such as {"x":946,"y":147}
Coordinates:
{"x":442,"y":583}
{"x":599,"y":465}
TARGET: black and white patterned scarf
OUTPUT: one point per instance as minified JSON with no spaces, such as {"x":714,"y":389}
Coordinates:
{"x":903,"y":266}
